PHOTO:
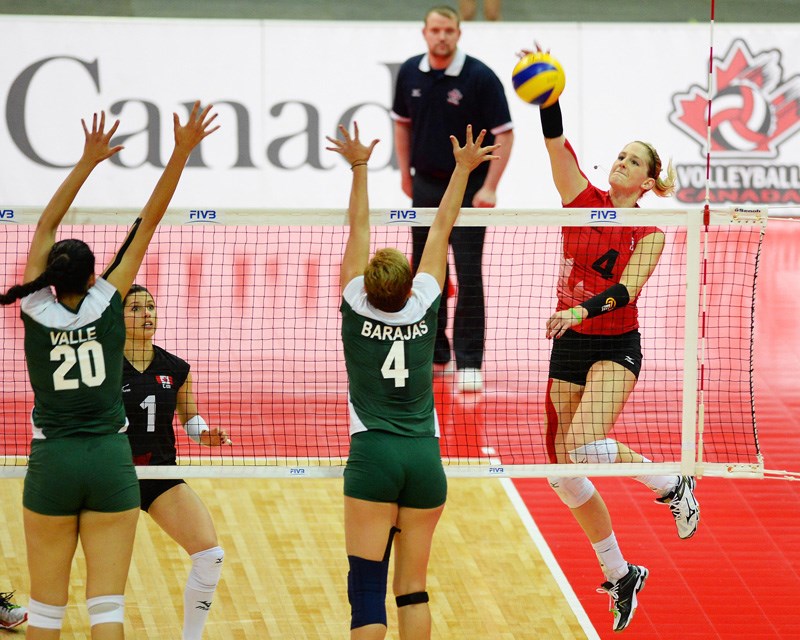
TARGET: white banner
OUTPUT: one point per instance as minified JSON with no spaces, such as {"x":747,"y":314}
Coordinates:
{"x":281,"y":87}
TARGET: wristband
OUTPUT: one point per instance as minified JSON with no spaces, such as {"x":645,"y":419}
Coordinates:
{"x":576,"y":314}
{"x":194,"y":427}
{"x":362,"y":163}
{"x":552,"y":126}
{"x":614,"y":297}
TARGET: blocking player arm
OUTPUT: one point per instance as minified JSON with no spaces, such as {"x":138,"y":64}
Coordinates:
{"x":95,"y":149}
{"x":123,"y":269}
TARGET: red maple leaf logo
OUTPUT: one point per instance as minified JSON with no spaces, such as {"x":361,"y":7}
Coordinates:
{"x":753,"y":109}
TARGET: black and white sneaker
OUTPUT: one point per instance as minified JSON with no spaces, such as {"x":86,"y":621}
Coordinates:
{"x":623,"y":595}
{"x":684,"y":507}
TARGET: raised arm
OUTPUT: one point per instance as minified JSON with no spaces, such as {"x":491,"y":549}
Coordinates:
{"x":95,"y":149}
{"x":356,"y":252}
{"x":122,"y":271}
{"x":567,"y":175}
{"x":434,"y":256}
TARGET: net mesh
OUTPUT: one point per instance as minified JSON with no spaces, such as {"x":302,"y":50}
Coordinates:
{"x":254,"y":308}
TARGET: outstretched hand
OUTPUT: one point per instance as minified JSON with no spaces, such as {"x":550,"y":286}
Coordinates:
{"x":351,"y":148}
{"x":189,"y":135}
{"x":472,"y":153}
{"x":96,"y":147}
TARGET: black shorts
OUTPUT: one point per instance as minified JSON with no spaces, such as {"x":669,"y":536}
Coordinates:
{"x":151,"y":489}
{"x":574,"y":353}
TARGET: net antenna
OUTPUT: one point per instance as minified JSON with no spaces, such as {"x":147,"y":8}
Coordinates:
{"x":250,"y":298}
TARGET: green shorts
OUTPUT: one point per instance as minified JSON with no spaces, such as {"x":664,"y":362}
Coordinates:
{"x":83,"y":472}
{"x":386,"y":467}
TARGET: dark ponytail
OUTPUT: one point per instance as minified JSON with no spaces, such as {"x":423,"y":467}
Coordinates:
{"x":69,"y":267}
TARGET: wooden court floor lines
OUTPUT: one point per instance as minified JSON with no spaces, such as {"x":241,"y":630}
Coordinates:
{"x":285,"y":567}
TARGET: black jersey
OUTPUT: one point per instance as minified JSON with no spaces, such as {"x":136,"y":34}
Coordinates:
{"x":150,"y":399}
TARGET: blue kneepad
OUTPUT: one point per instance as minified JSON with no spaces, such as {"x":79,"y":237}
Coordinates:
{"x":366,"y":591}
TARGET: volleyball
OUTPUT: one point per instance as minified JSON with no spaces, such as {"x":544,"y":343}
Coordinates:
{"x":538,"y":78}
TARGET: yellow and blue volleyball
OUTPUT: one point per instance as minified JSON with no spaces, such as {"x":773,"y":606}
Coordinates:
{"x":538,"y":78}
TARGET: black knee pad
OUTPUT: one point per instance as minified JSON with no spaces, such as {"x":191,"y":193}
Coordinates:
{"x":419,"y":597}
{"x":366,"y":591}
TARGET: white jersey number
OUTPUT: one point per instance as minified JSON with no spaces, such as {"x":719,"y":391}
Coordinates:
{"x":394,"y":367}
{"x":91,"y":365}
{"x":149,"y":405}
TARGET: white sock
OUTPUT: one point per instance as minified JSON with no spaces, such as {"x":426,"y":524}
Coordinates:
{"x":612,"y":563}
{"x":662,"y":485}
{"x":199,"y":591}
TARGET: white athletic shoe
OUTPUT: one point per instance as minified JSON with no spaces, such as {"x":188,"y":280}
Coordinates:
{"x":470,"y":380}
{"x":684,"y":507}
{"x":11,"y":615}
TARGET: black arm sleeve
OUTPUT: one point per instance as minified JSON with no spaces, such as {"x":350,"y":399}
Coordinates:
{"x":614,"y":297}
{"x":552,"y":126}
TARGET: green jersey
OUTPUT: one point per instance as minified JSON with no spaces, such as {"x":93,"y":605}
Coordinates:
{"x":389,"y":360}
{"x":75,"y":362}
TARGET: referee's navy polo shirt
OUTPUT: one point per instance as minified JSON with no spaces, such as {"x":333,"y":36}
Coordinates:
{"x":438,"y":103}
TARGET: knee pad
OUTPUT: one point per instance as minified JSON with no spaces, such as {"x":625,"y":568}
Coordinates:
{"x":45,"y":616}
{"x":103,"y":609}
{"x":599,"y":451}
{"x":420,"y":597}
{"x":366,"y":591}
{"x":206,"y":569}
{"x":573,"y":492}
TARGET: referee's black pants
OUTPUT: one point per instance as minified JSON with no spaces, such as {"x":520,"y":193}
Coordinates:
{"x":469,"y":322}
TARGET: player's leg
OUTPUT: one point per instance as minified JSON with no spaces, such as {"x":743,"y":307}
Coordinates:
{"x":412,"y":552}
{"x":421,"y":503}
{"x":107,"y":526}
{"x":608,"y":387}
{"x":107,"y":541}
{"x":373,"y":479}
{"x":181,"y":513}
{"x":50,"y":543}
{"x":369,"y":527}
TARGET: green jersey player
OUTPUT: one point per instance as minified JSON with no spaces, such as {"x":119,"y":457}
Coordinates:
{"x":394,"y":482}
{"x":81,"y":482}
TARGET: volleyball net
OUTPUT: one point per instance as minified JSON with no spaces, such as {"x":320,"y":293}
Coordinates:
{"x":251,"y":300}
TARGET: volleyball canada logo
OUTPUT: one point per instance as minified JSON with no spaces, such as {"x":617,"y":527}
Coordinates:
{"x":754,"y":109}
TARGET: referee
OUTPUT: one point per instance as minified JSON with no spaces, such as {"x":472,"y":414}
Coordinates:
{"x":438,"y":94}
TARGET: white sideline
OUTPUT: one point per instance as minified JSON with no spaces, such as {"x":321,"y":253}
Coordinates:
{"x":549,"y":559}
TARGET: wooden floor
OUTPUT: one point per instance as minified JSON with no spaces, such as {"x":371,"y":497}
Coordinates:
{"x":285,"y":567}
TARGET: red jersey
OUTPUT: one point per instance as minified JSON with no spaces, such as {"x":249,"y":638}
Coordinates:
{"x":594,"y":259}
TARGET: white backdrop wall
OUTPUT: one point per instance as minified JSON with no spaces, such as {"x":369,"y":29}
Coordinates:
{"x":281,"y":86}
